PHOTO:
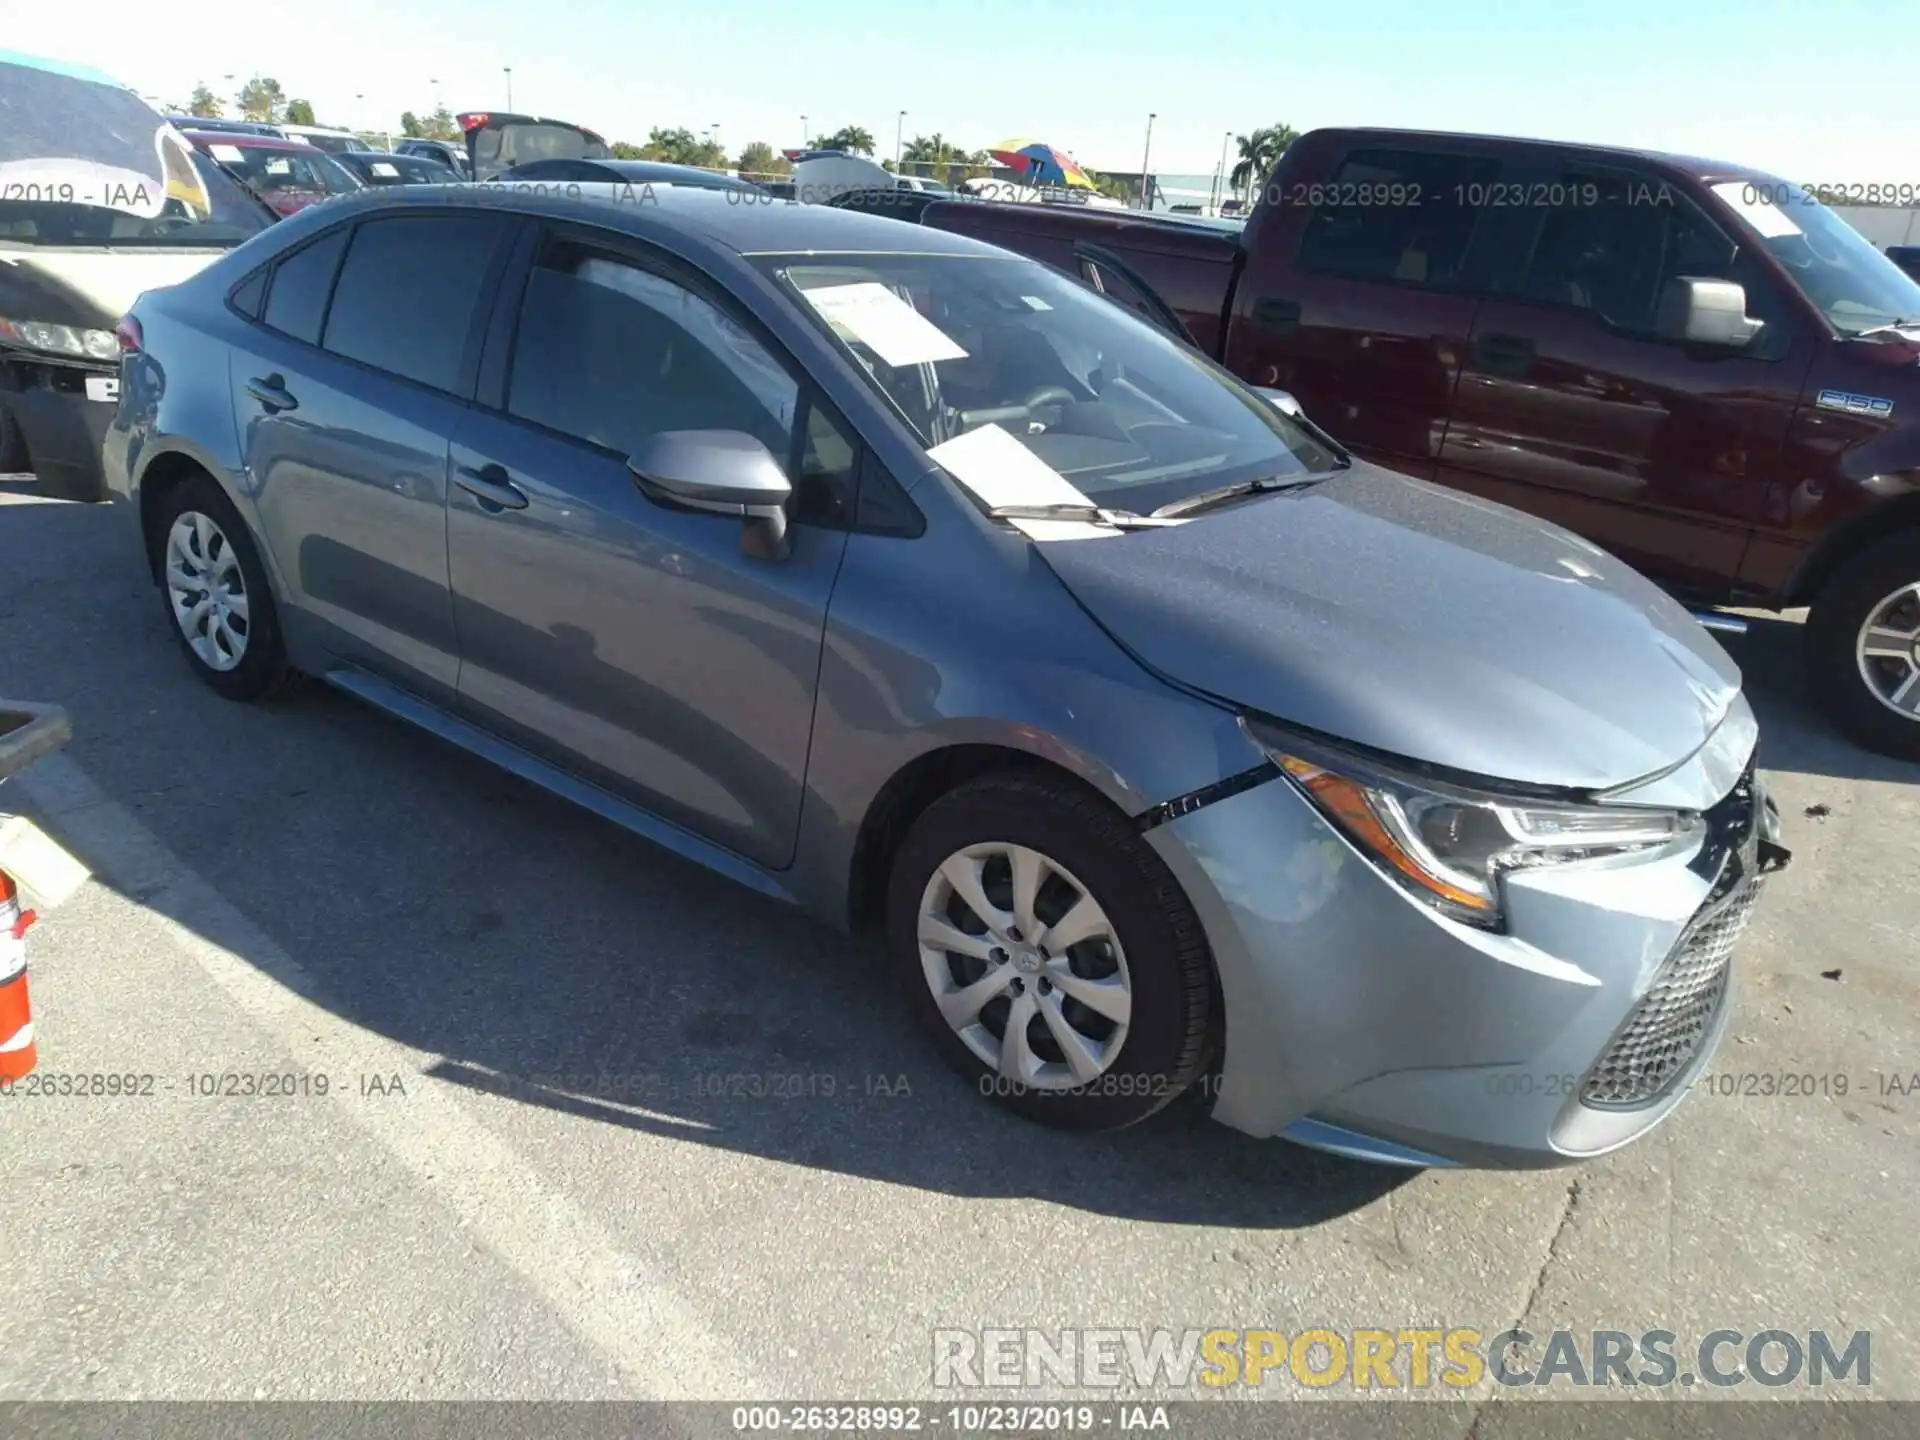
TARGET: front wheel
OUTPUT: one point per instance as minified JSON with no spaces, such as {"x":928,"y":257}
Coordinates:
{"x":1864,"y":647}
{"x":1050,"y":952}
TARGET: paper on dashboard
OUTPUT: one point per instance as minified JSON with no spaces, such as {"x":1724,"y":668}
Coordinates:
{"x":995,"y":466}
{"x":884,"y":323}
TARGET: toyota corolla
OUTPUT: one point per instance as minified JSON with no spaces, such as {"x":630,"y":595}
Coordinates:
{"x":913,"y":584}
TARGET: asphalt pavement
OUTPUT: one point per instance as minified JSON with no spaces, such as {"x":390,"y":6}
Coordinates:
{"x":598,"y":1125}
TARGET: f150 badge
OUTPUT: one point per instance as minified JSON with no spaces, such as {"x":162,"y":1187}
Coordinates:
{"x":1855,"y":404}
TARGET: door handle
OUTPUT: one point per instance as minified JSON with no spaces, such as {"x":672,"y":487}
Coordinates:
{"x":1506,"y":355}
{"x":271,"y":392}
{"x":491,"y":487}
{"x":1281,"y":317}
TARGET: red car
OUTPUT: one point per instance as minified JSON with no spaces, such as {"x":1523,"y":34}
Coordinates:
{"x":287,"y":174}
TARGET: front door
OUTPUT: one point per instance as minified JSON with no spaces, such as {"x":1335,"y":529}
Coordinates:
{"x":1579,"y":404}
{"x":634,"y":643}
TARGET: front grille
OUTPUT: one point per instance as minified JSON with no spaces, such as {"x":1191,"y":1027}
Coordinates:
{"x":1666,"y":1028}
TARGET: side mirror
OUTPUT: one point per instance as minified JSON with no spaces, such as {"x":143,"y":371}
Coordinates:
{"x":1284,"y":400}
{"x":719,"y":472}
{"x":1705,"y":312}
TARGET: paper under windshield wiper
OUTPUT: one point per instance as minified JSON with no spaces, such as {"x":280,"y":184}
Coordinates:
{"x":1091,"y":514}
{"x":1207,"y":499}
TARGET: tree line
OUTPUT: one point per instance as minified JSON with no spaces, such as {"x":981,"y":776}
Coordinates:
{"x":263,"y":99}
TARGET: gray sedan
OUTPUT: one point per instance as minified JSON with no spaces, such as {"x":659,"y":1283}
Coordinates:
{"x":909,"y":582}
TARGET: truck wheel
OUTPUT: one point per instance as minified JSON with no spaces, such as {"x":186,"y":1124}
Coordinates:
{"x":14,"y":459}
{"x":1050,"y":952}
{"x":1864,"y":647}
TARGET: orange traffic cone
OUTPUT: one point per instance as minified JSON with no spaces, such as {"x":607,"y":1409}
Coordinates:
{"x":17,"y":1055}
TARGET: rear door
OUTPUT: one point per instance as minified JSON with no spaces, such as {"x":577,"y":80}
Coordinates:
{"x":1574,"y":406}
{"x":630,"y":642}
{"x":359,"y":370}
{"x":1359,"y":294}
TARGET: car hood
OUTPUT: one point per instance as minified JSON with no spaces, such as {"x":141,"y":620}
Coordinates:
{"x":1417,"y":621}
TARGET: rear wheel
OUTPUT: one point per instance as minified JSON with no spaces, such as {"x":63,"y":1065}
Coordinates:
{"x":1864,"y":647}
{"x":215,"y":591}
{"x":1050,"y":953}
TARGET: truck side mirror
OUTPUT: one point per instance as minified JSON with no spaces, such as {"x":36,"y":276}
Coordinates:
{"x":1706,"y":312}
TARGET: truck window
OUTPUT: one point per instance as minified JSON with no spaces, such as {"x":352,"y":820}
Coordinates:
{"x":1610,"y":242}
{"x":1403,"y":215}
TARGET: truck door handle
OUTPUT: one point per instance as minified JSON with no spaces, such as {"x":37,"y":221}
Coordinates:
{"x":271,"y":392}
{"x":1282,"y":317}
{"x":1509,"y":356}
{"x":491,"y":487}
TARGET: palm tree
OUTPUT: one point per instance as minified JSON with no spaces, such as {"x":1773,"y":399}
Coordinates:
{"x":1259,"y":153}
{"x":854,"y":139}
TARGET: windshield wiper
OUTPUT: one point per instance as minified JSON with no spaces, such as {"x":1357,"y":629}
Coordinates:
{"x":1889,"y":328}
{"x":1091,"y":514}
{"x":1207,"y":499}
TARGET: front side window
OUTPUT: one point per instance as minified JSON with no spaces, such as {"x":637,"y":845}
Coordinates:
{"x":407,"y":292}
{"x":611,"y":353}
{"x":1611,"y":243}
{"x":1404,"y":215}
{"x":1129,"y":416}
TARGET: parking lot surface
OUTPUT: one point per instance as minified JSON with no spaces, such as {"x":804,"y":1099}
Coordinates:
{"x":597,"y":1124}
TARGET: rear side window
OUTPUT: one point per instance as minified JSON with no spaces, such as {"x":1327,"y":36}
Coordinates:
{"x":1405,"y":215}
{"x":247,"y":295}
{"x":406,"y":297}
{"x":297,"y":296}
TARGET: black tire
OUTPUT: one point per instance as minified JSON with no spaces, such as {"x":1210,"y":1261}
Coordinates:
{"x":1849,"y":598}
{"x":1165,"y":1046}
{"x":14,"y":459}
{"x":263,"y":668}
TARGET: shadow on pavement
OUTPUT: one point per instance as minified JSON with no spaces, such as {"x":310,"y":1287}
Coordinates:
{"x":548,"y":956}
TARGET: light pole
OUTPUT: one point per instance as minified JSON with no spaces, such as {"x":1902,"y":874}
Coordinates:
{"x":1146,"y":178}
{"x":806,"y":135}
{"x":899,"y":130}
{"x":507,"y":70}
{"x":1220,"y":178}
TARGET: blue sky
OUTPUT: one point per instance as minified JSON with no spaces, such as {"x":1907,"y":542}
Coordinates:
{"x":1826,"y":91}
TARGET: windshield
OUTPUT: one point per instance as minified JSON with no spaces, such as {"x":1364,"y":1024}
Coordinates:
{"x":402,"y":170}
{"x":499,"y":147}
{"x":1834,"y":265}
{"x":1129,"y":416}
{"x":278,"y":172}
{"x":86,"y":163}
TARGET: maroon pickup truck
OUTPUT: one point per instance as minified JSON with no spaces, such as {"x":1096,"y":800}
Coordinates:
{"x":1692,"y":364}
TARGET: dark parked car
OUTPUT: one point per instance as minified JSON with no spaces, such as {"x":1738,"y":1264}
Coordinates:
{"x":378,"y":167}
{"x":288,"y":174}
{"x":1692,"y":363}
{"x":623,"y":172}
{"x":908,"y":581}
{"x":1907,"y":257}
{"x":450,"y":153}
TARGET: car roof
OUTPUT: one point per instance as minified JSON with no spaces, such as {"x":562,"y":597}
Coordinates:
{"x":755,"y":226}
{"x":1699,"y":166}
{"x":246,"y":140}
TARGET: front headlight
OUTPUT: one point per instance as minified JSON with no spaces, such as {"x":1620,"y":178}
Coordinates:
{"x":59,"y":339}
{"x":1447,"y":844}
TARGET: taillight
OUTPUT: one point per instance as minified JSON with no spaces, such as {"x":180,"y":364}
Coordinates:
{"x":127,"y":332}
{"x":473,"y":122}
